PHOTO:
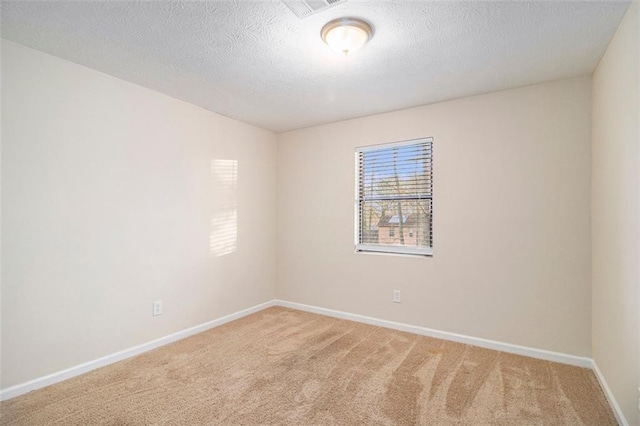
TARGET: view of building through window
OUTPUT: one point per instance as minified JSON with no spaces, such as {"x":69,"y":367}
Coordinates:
{"x":394,"y":197}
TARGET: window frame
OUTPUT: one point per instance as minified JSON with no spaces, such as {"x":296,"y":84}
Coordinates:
{"x":381,"y":248}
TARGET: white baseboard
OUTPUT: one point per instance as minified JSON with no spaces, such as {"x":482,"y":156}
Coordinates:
{"x":460,"y":338}
{"x":51,"y":379}
{"x":622,"y":421}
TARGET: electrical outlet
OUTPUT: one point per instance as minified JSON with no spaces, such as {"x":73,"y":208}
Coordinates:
{"x":397,"y":296}
{"x":157,"y":308}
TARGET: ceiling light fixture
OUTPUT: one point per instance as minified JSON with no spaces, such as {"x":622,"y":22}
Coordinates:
{"x":346,"y":35}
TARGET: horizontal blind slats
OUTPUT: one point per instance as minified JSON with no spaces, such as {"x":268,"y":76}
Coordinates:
{"x":395,"y":186}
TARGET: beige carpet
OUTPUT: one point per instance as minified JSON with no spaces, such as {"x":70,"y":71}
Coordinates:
{"x":282,"y":366}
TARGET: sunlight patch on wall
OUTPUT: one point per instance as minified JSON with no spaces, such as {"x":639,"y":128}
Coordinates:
{"x":224,"y":224}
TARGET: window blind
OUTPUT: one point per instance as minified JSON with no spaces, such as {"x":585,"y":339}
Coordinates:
{"x":395,"y":197}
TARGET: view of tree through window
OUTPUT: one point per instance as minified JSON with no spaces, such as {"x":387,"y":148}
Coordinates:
{"x":394,"y":200}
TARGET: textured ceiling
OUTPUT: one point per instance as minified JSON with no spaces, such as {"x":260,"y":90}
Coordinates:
{"x":257,"y":62}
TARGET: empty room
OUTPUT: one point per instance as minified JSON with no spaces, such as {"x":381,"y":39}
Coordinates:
{"x":320,"y":212}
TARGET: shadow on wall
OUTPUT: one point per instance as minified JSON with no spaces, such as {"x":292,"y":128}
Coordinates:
{"x":224,"y":224}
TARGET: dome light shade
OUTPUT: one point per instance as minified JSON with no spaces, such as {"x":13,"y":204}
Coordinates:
{"x":346,"y":35}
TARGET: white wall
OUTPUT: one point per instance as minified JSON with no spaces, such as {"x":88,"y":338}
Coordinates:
{"x":614,"y":224}
{"x":110,"y":202}
{"x":511,"y":219}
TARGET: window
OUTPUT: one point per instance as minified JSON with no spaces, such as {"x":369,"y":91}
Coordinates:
{"x":394,"y":199}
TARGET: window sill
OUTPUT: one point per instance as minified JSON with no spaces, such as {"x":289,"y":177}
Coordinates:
{"x":393,"y":251}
